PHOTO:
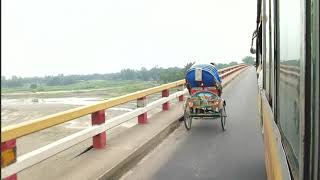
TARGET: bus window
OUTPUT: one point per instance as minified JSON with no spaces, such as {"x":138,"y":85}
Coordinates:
{"x":291,"y":57}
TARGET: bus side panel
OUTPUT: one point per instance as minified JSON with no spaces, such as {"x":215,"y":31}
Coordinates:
{"x":275,"y":158}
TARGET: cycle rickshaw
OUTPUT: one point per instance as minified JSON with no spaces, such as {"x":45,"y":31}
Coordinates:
{"x":205,"y":100}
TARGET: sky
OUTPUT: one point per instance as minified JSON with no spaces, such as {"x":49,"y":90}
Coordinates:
{"x":42,"y":37}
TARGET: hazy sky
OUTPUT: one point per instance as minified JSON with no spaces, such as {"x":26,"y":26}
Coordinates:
{"x":42,"y":37}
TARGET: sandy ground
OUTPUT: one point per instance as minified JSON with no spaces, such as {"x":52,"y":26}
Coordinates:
{"x":17,"y":109}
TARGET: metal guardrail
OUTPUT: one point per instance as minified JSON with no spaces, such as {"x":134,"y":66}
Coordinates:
{"x":290,"y":68}
{"x":290,"y":75}
{"x":25,"y":128}
{"x":293,"y":74}
{"x":10,"y":164}
{"x":28,"y":127}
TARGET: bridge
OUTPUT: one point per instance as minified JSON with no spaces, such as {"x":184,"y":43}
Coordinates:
{"x":157,"y":147}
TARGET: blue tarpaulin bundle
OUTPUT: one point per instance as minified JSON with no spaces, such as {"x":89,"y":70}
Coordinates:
{"x":209,"y":73}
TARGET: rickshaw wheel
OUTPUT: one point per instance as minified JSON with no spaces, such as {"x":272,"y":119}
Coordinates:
{"x":187,"y":119}
{"x":223,"y":118}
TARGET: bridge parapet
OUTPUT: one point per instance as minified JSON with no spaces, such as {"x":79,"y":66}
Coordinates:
{"x":10,"y":164}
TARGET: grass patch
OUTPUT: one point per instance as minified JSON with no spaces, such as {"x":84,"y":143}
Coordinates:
{"x":83,"y":85}
{"x":100,"y":88}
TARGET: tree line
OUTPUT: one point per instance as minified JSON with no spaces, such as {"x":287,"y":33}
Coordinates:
{"x":158,"y":74}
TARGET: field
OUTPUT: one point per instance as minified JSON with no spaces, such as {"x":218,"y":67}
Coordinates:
{"x":19,"y":106}
{"x":92,"y":88}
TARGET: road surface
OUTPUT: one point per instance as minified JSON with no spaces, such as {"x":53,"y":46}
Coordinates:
{"x":206,"y":152}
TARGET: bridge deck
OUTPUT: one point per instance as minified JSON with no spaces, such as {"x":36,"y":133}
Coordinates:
{"x":206,"y":152}
{"x":203,"y":153}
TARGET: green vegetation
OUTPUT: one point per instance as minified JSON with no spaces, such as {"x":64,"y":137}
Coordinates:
{"x":248,"y":60}
{"x":128,"y":79}
{"x":82,"y":85}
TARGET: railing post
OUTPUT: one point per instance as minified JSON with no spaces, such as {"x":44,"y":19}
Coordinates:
{"x":181,"y":97}
{"x":9,"y":156}
{"x":142,"y":118}
{"x":99,"y":140}
{"x":165,"y":106}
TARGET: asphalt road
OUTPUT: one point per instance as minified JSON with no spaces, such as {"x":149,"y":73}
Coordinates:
{"x":206,"y":152}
